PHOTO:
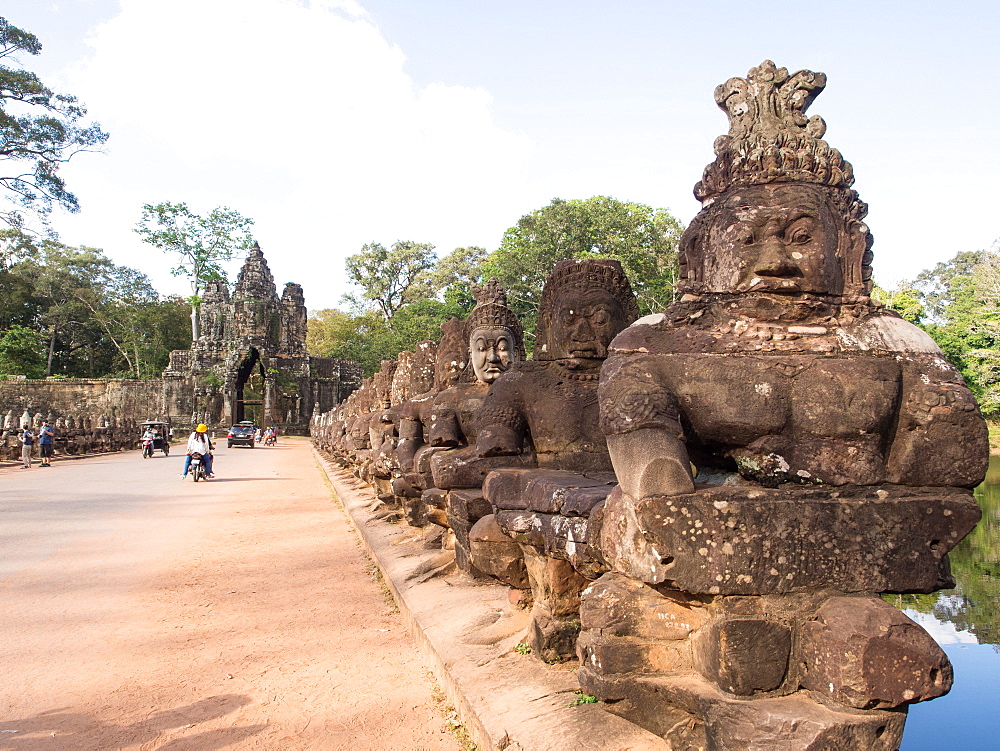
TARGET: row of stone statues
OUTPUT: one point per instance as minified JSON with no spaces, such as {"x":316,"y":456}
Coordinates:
{"x":73,"y":434}
{"x":706,"y":503}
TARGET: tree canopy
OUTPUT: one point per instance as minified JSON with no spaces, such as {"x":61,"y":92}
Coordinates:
{"x":390,"y":277}
{"x":406,"y":293}
{"x":958,"y":303}
{"x":201,"y":244}
{"x":642,"y":238}
{"x":73,"y":312}
{"x":39,"y":131}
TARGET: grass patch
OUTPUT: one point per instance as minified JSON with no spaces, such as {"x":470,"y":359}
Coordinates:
{"x":582,"y":698}
{"x":375,"y":574}
{"x":523,"y":648}
{"x":994,"y":428}
{"x":452,"y":722}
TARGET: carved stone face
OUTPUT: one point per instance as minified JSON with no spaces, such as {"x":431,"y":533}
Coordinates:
{"x":778,"y":238}
{"x":492,"y":351}
{"x":585,"y":323}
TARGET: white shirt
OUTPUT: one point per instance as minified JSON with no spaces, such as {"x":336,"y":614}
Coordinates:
{"x":198,"y":442}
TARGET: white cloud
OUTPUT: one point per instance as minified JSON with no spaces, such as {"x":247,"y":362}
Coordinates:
{"x":298,"y":114}
{"x":943,"y":632}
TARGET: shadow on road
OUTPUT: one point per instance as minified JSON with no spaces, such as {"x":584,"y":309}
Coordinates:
{"x":242,"y":479}
{"x":59,"y":729}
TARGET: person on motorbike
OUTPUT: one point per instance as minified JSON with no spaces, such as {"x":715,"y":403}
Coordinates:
{"x":199,"y":443}
{"x":147,"y":438}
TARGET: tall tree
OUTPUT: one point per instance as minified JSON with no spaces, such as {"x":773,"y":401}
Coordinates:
{"x":644,"y":239}
{"x":456,"y":273}
{"x":201,"y":244}
{"x":94,"y":317}
{"x":390,"y":277}
{"x":39,"y":131}
{"x":22,"y":352}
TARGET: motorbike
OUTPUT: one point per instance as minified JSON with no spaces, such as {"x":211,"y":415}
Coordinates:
{"x":197,"y":469}
{"x":271,"y":440}
{"x":147,"y":448}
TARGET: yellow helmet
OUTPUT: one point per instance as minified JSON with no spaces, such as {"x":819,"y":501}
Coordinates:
{"x":202,"y":428}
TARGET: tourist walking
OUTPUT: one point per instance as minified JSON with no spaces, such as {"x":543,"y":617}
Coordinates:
{"x":46,"y":439}
{"x":27,"y":440}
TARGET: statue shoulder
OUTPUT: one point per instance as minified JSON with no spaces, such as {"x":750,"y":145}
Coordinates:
{"x":890,"y":333}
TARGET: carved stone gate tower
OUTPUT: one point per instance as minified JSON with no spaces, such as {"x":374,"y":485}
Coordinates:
{"x":250,"y":360}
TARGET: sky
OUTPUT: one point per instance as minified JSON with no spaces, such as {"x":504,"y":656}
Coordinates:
{"x":335,"y":123}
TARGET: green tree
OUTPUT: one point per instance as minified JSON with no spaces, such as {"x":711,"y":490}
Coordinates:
{"x":905,"y":300}
{"x":456,"y":273}
{"x":644,"y":239}
{"x":368,"y":339}
{"x":22,"y":352}
{"x":961,"y":299}
{"x":39,"y":131}
{"x":201,"y":244}
{"x":391,"y":277}
{"x":96,"y":318}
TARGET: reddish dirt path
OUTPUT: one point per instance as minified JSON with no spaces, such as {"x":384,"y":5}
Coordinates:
{"x":149,"y":613}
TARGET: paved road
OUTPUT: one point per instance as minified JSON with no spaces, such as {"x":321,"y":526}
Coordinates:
{"x":142,"y":611}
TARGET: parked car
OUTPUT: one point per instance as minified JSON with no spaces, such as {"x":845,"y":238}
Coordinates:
{"x":241,"y":434}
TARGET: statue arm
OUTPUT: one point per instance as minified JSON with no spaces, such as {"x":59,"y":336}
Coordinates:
{"x":941,"y":438}
{"x":641,"y":421}
{"x":500,"y":425}
{"x":411,"y":438}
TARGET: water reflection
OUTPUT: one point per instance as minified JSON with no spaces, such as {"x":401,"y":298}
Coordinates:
{"x":973,"y":606}
{"x":965,"y":621}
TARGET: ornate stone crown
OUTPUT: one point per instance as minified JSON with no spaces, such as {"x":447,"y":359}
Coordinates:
{"x":491,"y":311}
{"x":578,"y":276}
{"x":590,"y":273}
{"x":770,"y":138}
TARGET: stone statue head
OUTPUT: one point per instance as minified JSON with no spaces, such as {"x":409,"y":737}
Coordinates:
{"x":451,"y":354}
{"x":493,"y":332}
{"x":779,"y":215}
{"x":585,"y":303}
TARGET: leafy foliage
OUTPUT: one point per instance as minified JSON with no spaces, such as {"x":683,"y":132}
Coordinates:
{"x":368,"y":339}
{"x":906,"y":301}
{"x":21,"y":352}
{"x":644,"y":239}
{"x":39,"y":131}
{"x":406,"y":293}
{"x":87,"y":316}
{"x":201,"y":244}
{"x":958,"y":303}
{"x":391,"y":277}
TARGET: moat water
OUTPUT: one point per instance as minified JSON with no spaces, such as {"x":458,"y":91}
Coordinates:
{"x":965,"y":621}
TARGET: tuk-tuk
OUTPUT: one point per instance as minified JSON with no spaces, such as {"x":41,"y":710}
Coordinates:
{"x":160,"y":441}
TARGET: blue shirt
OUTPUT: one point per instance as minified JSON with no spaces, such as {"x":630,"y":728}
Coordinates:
{"x":45,"y":436}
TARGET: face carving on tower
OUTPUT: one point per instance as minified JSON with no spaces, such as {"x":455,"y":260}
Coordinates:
{"x":491,"y":352}
{"x":780,"y":238}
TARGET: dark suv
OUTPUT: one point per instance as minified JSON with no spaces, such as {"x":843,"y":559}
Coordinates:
{"x":241,"y":434}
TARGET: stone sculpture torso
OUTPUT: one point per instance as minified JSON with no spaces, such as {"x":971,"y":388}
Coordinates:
{"x":552,"y":409}
{"x":822,"y":396}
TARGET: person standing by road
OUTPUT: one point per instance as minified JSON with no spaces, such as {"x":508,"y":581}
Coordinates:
{"x":27,"y":440}
{"x":46,"y":437}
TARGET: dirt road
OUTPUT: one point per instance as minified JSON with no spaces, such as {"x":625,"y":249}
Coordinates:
{"x":140,"y":611}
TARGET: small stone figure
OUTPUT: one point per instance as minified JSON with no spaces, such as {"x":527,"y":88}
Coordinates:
{"x":548,"y":409}
{"x":414,"y":452}
{"x":493,"y":342}
{"x":786,"y":450}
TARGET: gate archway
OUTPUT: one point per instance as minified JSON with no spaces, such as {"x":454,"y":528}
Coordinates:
{"x":250,"y":402}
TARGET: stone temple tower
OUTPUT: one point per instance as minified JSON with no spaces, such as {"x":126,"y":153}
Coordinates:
{"x":250,"y":360}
